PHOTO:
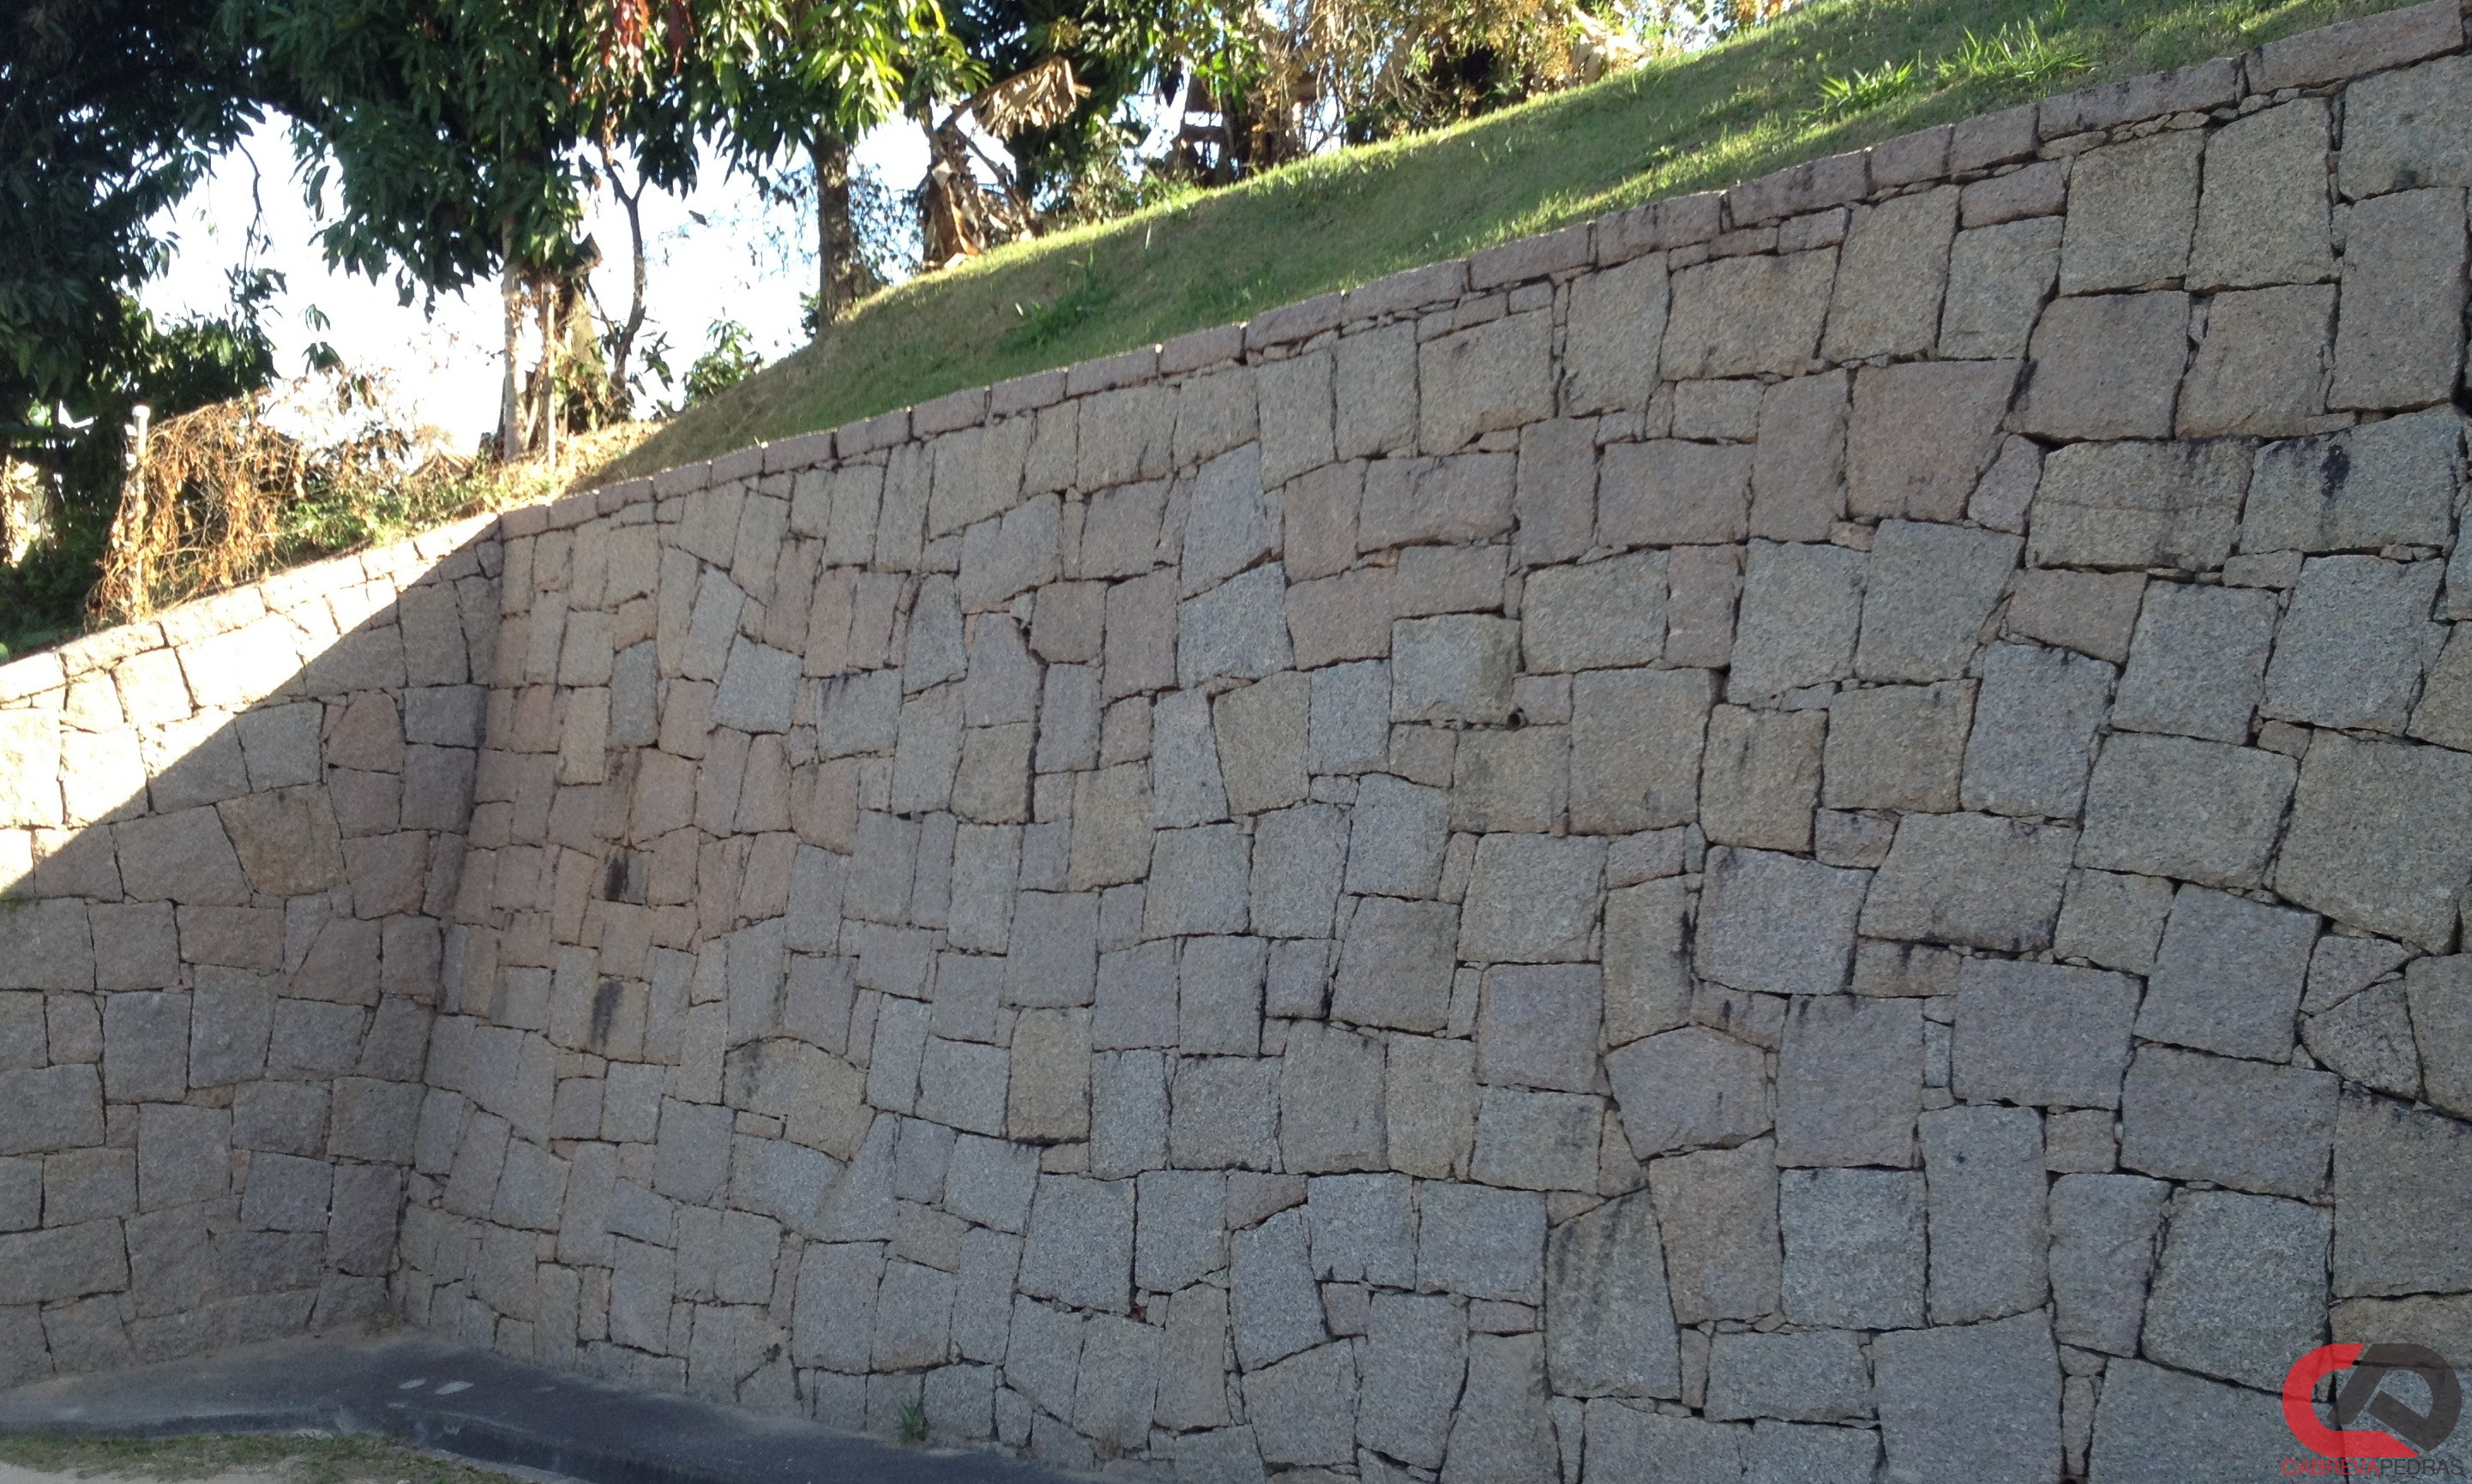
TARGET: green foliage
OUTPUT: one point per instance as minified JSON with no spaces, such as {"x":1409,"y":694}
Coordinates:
{"x":2017,"y":53}
{"x":729,"y":358}
{"x":1043,"y":323}
{"x":1860,"y":92}
{"x":1673,"y":126}
{"x":913,"y":1421}
{"x":109,"y":111}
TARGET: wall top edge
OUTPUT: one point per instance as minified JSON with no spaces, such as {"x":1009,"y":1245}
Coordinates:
{"x":1702,"y":221}
{"x":2328,"y":55}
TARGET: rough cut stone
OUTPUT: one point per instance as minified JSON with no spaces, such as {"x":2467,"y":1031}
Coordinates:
{"x":1331,"y":1101}
{"x":2444,"y":713}
{"x":2403,"y":1191}
{"x":1304,"y":1407}
{"x":1635,"y":746}
{"x":1922,"y":433}
{"x":2402,"y":129}
{"x":1237,"y":629}
{"x":46,"y":944}
{"x":56,"y":1108}
{"x":1482,"y":1242}
{"x":2034,"y":722}
{"x":2261,"y":367}
{"x":1536,"y":1027}
{"x":1669,"y":492}
{"x":1972,"y":1401}
{"x":2247,"y":1125}
{"x":2369,"y":1039}
{"x":1413,"y":1362}
{"x":2090,"y":612}
{"x":1531,"y":1141}
{"x":1798,"y":461}
{"x":1778,"y":924}
{"x":1397,"y":833}
{"x":1502,"y":1431}
{"x":2198,"y":811}
{"x":1430,"y":1105}
{"x":2263,"y":216}
{"x":1801,"y":608}
{"x":2197,"y":664}
{"x":1897,"y":747}
{"x":2241,"y":1288}
{"x":1080,"y":1247}
{"x":2041,"y":1034}
{"x":2131,"y":209}
{"x":2400,"y":340}
{"x":2380,"y":484}
{"x":2229,"y":976}
{"x":1889,"y":276}
{"x":1854,"y":1247}
{"x":1497,"y":375}
{"x":1998,"y":277}
{"x":1983,"y":1169}
{"x":1595,"y":616}
{"x":2381,"y":837}
{"x":1453,"y":668}
{"x":1261,"y":736}
{"x":1717,"y":1212}
{"x":1975,"y":880}
{"x":2348,"y":652}
{"x":1229,"y":525}
{"x":1689,"y":1088}
{"x":1609,"y":360}
{"x":1849,"y":1081}
{"x":1514,"y":780}
{"x":1609,"y":1322}
{"x":2105,"y":366}
{"x":1531,"y":899}
{"x":1394,"y":967}
{"x":2439,"y":993}
{"x":2104,"y":1235}
{"x":1816,"y":1376}
{"x":1760,"y":777}
{"x":2161,"y":1424}
{"x":1748,"y":316}
{"x":2139,"y":505}
{"x":1628,"y":1443}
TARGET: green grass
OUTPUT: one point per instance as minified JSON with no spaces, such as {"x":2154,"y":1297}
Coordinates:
{"x":294,"y":1457}
{"x":1765,"y":100}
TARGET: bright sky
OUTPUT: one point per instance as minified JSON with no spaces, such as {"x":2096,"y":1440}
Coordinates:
{"x":747,"y":261}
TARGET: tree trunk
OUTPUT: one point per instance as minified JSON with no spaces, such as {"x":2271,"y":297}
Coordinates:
{"x":548,"y":424}
{"x":622,"y":354}
{"x":829,"y":154}
{"x":510,"y":299}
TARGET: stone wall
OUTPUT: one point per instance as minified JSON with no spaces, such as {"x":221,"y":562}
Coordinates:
{"x":226,"y":839}
{"x":1812,"y":825}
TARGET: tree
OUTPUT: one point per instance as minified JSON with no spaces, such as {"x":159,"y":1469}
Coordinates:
{"x":793,"y":82}
{"x":110,"y":111}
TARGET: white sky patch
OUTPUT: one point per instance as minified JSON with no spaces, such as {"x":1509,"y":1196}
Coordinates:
{"x":748,"y":259}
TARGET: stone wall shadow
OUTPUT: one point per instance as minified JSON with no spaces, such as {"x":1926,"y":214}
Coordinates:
{"x":228,"y":841}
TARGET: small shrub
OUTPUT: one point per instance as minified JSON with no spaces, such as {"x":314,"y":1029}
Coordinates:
{"x":2015,"y":53}
{"x":730,"y":359}
{"x":1861,"y":91}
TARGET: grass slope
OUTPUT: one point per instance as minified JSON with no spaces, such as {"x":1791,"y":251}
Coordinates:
{"x":1724,"y":115}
